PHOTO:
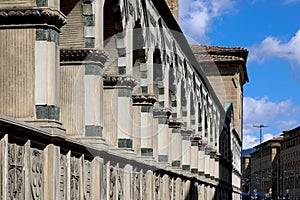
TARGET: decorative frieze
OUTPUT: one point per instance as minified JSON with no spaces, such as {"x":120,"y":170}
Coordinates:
{"x":36,"y":174}
{"x":119,"y":82}
{"x":32,"y":16}
{"x":62,"y":176}
{"x":175,"y":124}
{"x":75,"y":178}
{"x":15,"y":172}
{"x":143,"y":99}
{"x":83,"y":56}
{"x":161,"y":112}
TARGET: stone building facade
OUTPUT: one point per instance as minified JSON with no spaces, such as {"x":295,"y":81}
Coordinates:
{"x":265,"y":168}
{"x":290,"y":163}
{"x":225,"y":68}
{"x":106,"y":100}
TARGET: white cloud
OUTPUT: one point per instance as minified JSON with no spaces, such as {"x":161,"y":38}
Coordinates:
{"x":263,"y":111}
{"x":287,"y":124}
{"x":290,"y":1}
{"x":250,"y":141}
{"x":259,"y":111}
{"x":274,"y":47}
{"x":196,"y":16}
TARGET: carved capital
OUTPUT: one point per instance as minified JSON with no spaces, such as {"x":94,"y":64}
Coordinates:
{"x":143,"y":99}
{"x":175,"y":124}
{"x":186,"y":131}
{"x":32,"y":16}
{"x":83,"y":56}
{"x":119,"y":82}
{"x":161,"y":112}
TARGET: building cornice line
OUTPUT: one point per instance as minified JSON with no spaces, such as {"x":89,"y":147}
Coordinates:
{"x":33,"y":15}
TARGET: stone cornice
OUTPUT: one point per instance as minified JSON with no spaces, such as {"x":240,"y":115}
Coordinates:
{"x":32,"y":16}
{"x":143,"y":99}
{"x":161,"y":112}
{"x":117,"y":81}
{"x":175,"y":124}
{"x":83,"y":56}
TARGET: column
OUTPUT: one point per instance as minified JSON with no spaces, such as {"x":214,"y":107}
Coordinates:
{"x":118,"y":111}
{"x":212,"y":164}
{"x":207,"y":162}
{"x":81,"y":93}
{"x":142,"y":120}
{"x":194,"y":155}
{"x":163,"y":140}
{"x":201,"y":159}
{"x":29,"y":47}
{"x":186,"y":148}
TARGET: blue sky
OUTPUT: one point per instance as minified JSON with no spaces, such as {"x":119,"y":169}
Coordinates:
{"x":270,"y":30}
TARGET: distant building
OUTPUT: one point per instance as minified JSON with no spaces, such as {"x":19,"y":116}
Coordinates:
{"x":246,"y":173}
{"x":264,"y":167}
{"x":290,"y":163}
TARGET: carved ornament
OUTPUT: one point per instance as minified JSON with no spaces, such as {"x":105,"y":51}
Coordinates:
{"x":175,"y":124}
{"x":119,"y":82}
{"x":186,"y":131}
{"x":36,"y":16}
{"x":161,"y":112}
{"x":144,"y":99}
{"x":72,"y":56}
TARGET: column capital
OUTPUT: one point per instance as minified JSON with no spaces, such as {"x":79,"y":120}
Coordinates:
{"x":83,"y":56}
{"x":35,"y":16}
{"x":118,"y":81}
{"x":175,"y":123}
{"x":186,"y":132}
{"x":161,"y":112}
{"x":143,"y":99}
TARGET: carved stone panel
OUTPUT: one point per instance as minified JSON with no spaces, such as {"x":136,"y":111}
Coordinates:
{"x":15,"y":172}
{"x":87,"y":180}
{"x":36,"y":178}
{"x":144,"y":186}
{"x":157,"y":187}
{"x":104,"y":181}
{"x":112,"y":183}
{"x":137,"y":190}
{"x":75,"y":179}
{"x":120,"y":184}
{"x":62,"y":177}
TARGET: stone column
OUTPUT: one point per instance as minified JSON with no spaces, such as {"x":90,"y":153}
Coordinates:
{"x":194,"y":155}
{"x":142,"y":119}
{"x":163,"y":141}
{"x":201,"y":159}
{"x":81,"y":93}
{"x":29,"y":66}
{"x":175,"y":145}
{"x":118,"y":111}
{"x":186,"y":149}
{"x":207,"y":162}
{"x":212,"y":164}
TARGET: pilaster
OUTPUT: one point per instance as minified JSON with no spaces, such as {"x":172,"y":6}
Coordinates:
{"x":81,"y":93}
{"x":143,"y":122}
{"x":118,"y":111}
{"x":163,"y":140}
{"x":32,"y":35}
{"x":186,"y":149}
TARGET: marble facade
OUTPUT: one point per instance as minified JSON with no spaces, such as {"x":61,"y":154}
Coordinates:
{"x":106,"y":100}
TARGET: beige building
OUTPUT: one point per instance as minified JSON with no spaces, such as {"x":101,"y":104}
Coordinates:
{"x":106,"y":100}
{"x":265,"y":168}
{"x":225,"y":68}
{"x":290,"y":163}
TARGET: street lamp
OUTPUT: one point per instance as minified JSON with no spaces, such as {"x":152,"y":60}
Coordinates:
{"x":260,"y":135}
